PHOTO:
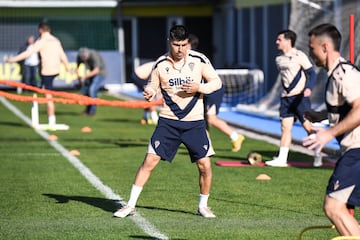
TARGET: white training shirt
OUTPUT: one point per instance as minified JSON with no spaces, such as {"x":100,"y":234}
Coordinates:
{"x":170,"y":76}
{"x":289,"y":64}
{"x":343,"y":86}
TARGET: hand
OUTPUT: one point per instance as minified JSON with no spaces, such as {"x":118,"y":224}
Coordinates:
{"x":307,"y":92}
{"x":190,"y":87}
{"x":318,"y":140}
{"x":148,"y":94}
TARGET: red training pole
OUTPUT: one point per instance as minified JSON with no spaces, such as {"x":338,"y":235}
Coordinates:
{"x":352,"y":60}
{"x":351,"y":38}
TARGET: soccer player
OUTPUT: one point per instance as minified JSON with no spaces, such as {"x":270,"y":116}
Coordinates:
{"x":178,"y":74}
{"x":343,"y":105}
{"x":298,"y":78}
{"x":212,"y":103}
{"x":51,"y":54}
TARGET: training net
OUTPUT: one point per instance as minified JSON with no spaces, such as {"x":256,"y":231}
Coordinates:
{"x":305,"y":15}
{"x":244,"y":86}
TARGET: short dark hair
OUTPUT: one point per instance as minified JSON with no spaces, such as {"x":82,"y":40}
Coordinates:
{"x":178,"y":33}
{"x":288,"y":34}
{"x":329,"y":30}
{"x":44,"y":26}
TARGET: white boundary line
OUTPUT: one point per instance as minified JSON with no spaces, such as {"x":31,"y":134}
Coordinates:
{"x":140,"y":221}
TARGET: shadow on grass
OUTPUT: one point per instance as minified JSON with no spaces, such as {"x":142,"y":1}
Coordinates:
{"x":167,"y":210}
{"x":12,"y":124}
{"x":107,"y":205}
{"x":102,"y":203}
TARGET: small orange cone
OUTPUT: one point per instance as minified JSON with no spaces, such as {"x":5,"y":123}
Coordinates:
{"x":86,"y":129}
{"x":263,"y":177}
{"x":74,"y":152}
{"x":53,"y":138}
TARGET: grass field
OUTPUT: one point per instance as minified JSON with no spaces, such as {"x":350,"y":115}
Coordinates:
{"x":43,"y":196}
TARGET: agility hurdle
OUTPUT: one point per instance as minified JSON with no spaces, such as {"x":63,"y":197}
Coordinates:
{"x":35,"y":120}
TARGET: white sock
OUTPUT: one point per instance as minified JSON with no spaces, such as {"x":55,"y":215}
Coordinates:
{"x":203,"y":199}
{"x":283,"y":154}
{"x":234,"y":136}
{"x":52,"y":120}
{"x":134,"y":195}
{"x":316,"y":154}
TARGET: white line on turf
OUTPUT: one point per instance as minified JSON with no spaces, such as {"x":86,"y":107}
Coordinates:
{"x":145,"y":225}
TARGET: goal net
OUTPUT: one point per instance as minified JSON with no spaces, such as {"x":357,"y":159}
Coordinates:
{"x":244,"y":86}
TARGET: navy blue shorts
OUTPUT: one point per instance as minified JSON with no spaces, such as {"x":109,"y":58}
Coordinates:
{"x":169,"y":134}
{"x":294,"y":106}
{"x":214,"y":98}
{"x":344,"y":183}
{"x":47,"y":82}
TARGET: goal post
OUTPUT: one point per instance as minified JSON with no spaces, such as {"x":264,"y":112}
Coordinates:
{"x":242,"y":86}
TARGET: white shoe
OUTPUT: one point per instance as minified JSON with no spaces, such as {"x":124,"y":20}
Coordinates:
{"x":276,"y":162}
{"x":206,"y":212}
{"x":124,"y":211}
{"x":317,"y":161}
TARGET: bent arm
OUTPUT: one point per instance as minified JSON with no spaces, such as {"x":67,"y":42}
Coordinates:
{"x":351,"y":121}
{"x":213,"y":80}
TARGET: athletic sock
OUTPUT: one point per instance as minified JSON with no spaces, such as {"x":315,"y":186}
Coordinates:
{"x":234,"y":136}
{"x":283,"y":154}
{"x":203,"y":199}
{"x":134,"y":195}
{"x":316,"y":154}
{"x":52,"y":120}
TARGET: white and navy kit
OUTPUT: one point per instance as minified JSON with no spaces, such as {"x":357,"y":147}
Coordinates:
{"x":297,"y":74}
{"x":182,"y":114}
{"x":342,"y":89}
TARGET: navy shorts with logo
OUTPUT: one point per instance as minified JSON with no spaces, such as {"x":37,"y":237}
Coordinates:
{"x":294,"y":106}
{"x":346,"y":175}
{"x":169,"y":134}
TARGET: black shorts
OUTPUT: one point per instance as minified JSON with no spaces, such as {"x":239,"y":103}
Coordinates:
{"x":294,"y":106}
{"x":169,"y":134}
{"x":47,"y":81}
